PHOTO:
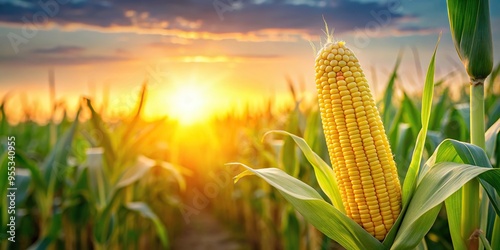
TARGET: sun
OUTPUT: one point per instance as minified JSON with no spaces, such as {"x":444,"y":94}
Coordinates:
{"x":188,"y":104}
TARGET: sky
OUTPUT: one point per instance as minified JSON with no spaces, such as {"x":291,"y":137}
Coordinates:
{"x":212,"y":55}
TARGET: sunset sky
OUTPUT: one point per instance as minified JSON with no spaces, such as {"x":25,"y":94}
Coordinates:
{"x":210,"y":54}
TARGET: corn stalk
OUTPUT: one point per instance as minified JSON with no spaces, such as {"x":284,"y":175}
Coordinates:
{"x":471,"y":33}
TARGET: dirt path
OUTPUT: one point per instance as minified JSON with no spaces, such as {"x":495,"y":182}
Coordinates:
{"x":205,"y":232}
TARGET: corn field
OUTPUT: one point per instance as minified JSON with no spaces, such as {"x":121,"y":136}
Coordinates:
{"x":341,"y":170}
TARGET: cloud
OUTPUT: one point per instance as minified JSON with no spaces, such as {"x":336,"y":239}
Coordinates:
{"x":44,"y":60}
{"x":277,"y":20}
{"x":60,"y":50}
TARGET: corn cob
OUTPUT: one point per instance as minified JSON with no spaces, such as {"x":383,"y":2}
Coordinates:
{"x":359,"y":150}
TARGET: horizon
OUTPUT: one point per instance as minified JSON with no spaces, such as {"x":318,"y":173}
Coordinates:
{"x":221,"y":55}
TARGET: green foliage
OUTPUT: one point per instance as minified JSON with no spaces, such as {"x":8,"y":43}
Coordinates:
{"x":388,"y":110}
{"x":65,"y":191}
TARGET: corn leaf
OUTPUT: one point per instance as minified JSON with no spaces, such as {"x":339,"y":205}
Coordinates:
{"x":51,"y":235}
{"x":401,"y":150}
{"x":421,"y":246}
{"x":104,"y":227}
{"x":439,"y":110}
{"x":492,"y":187}
{"x":174,"y":170}
{"x":144,"y":210}
{"x":456,"y":151}
{"x":290,"y":226}
{"x":493,"y":112}
{"x":36,"y":174}
{"x":23,"y":180}
{"x":313,"y":133}
{"x":4,"y":124}
{"x":448,"y":151}
{"x":460,"y":152}
{"x":454,"y":213}
{"x":393,"y":133}
{"x":388,"y":110}
{"x":317,"y":211}
{"x":463,"y":111}
{"x":455,"y":124}
{"x":135,"y":172}
{"x":434,"y":139}
{"x":55,"y":163}
{"x":140,"y":104}
{"x":324,"y":173}
{"x":97,"y":181}
{"x":442,"y":180}
{"x":4,"y":184}
{"x":491,"y":82}
{"x":128,"y":177}
{"x":104,"y":135}
{"x":140,"y":139}
{"x":288,"y":156}
{"x":492,"y":135}
{"x":411,"y":113}
{"x":411,"y":175}
{"x":409,"y":184}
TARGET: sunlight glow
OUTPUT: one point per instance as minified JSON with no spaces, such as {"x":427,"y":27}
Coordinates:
{"x":187,"y":104}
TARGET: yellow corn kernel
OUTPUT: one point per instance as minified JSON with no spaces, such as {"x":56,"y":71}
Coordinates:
{"x":359,"y":150}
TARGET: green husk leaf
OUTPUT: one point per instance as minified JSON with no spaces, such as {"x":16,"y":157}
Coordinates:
{"x":471,"y":32}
